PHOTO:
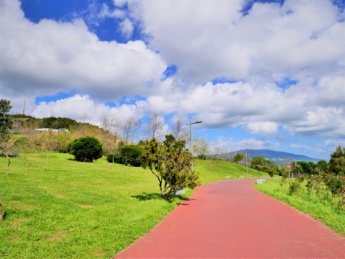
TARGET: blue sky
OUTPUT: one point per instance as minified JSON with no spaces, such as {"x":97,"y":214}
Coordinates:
{"x":259,"y":74}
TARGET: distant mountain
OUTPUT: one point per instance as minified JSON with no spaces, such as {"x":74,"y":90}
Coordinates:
{"x":278,"y":157}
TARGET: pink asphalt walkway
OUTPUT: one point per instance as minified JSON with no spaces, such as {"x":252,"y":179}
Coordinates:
{"x":231,"y":220}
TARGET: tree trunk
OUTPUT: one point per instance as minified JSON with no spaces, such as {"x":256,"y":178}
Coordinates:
{"x":8,"y":164}
{"x":1,"y":213}
{"x":161,"y":188}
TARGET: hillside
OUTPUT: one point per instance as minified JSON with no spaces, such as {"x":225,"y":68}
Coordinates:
{"x":61,"y":208}
{"x":47,"y":140}
{"x":217,"y":170}
{"x":278,"y":157}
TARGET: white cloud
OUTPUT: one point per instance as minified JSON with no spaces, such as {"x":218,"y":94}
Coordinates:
{"x":302,"y":40}
{"x":106,"y":12}
{"x":84,"y":109}
{"x":119,"y":3}
{"x":321,"y":120}
{"x":127,"y":27}
{"x":50,"y":56}
{"x":262,"y":127}
{"x":208,"y":39}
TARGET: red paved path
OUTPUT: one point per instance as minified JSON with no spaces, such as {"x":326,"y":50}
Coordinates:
{"x":232,"y":219}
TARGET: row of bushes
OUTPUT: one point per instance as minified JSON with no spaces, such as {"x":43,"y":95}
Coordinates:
{"x":127,"y":155}
{"x":324,"y":186}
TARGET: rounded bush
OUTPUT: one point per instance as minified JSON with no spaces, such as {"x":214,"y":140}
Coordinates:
{"x":127,"y":155}
{"x":86,"y":149}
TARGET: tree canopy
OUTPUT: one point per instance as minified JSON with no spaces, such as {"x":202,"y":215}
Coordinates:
{"x":5,"y":120}
{"x":337,"y":162}
{"x":171,"y":163}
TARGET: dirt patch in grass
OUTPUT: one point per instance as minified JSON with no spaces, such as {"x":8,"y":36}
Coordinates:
{"x":13,"y":238}
{"x":58,"y":235}
{"x":98,"y":253}
{"x":60,"y":196}
{"x":20,"y":205}
{"x":18,"y":222}
{"x":86,"y":206}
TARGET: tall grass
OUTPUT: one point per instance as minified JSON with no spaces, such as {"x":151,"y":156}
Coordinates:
{"x":321,"y":206}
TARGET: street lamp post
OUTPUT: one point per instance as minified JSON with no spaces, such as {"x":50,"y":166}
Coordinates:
{"x":247,"y":164}
{"x":190,"y":138}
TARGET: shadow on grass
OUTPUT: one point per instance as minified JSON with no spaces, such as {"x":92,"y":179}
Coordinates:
{"x":75,"y":160}
{"x":148,"y":196}
{"x":156,"y":196}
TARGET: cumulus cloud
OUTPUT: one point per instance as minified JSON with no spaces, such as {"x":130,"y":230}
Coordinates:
{"x":301,"y":40}
{"x":84,"y":109}
{"x":262,"y":127}
{"x":51,"y":56}
{"x":208,"y":39}
{"x":260,"y":109}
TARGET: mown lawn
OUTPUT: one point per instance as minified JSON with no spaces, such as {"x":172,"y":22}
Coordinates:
{"x":323,"y":208}
{"x":60,"y":208}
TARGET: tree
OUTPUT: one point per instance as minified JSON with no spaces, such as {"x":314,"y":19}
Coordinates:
{"x":322,"y":167}
{"x":5,"y":126}
{"x":1,"y":212}
{"x":306,"y":167}
{"x":58,"y":123}
{"x":263,"y":165}
{"x":258,"y":163}
{"x":106,"y":125}
{"x":337,"y":162}
{"x":200,"y":147}
{"x":155,"y":126}
{"x":128,"y":129}
{"x":128,"y":155}
{"x":5,"y":121}
{"x":238,"y":157}
{"x":177,"y":130}
{"x":86,"y":149}
{"x":171,"y":163}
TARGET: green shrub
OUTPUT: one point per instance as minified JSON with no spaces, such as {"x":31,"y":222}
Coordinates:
{"x":127,"y":155}
{"x":294,"y":186}
{"x":115,"y":158}
{"x":86,"y":149}
{"x":202,"y":157}
{"x":57,"y":123}
{"x":334,"y":184}
{"x":341,"y":203}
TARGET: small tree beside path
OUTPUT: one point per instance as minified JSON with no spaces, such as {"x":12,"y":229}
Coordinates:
{"x":171,"y":163}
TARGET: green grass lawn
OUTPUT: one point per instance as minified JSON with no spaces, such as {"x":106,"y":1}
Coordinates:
{"x":323,"y":209}
{"x":216,"y":170}
{"x":57,"y":207}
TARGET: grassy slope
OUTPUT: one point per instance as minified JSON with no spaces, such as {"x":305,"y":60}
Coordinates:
{"x":324,"y":210}
{"x":61,"y":208}
{"x":216,"y":170}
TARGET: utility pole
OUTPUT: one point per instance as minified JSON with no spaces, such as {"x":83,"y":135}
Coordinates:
{"x":24,"y":108}
{"x":190,"y":139}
